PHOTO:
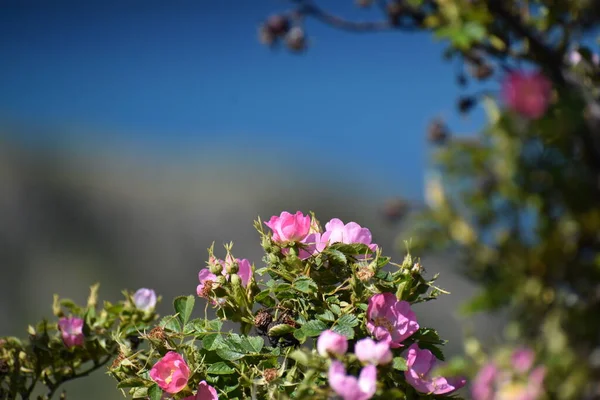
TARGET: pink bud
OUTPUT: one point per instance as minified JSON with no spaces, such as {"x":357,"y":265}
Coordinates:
{"x":171,"y":372}
{"x":145,"y":299}
{"x":205,"y":392}
{"x":72,"y":331}
{"x":370,"y":352}
{"x":331,"y":342}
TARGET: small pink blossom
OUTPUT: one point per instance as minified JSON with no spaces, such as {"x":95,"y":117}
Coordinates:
{"x":351,"y":233}
{"x":205,"y":392}
{"x":350,"y":388}
{"x":390,"y":320}
{"x":171,"y":373}
{"x":289,"y":227}
{"x":527,"y":93}
{"x":72,"y":331}
{"x":370,"y":352}
{"x":331,"y":342}
{"x":420,"y":365}
{"x":145,"y":299}
{"x":522,"y":359}
{"x":483,"y":384}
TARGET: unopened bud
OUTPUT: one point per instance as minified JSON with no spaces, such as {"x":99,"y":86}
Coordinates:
{"x":235,"y":280}
{"x":221,"y":280}
{"x":232,"y":267}
{"x":416,"y":269}
{"x":273,"y":259}
{"x":296,"y":39}
{"x":215,"y":268}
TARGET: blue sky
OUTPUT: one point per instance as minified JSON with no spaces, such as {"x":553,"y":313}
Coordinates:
{"x":183,"y":75}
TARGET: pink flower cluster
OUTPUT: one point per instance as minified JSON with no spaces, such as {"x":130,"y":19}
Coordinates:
{"x":208,"y":279}
{"x":71,"y":329}
{"x":172,"y":374}
{"x":391,"y":322}
{"x":527,"y":93}
{"x":518,"y":382}
{"x":298,"y":228}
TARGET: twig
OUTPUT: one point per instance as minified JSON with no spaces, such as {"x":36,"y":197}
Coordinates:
{"x":79,"y":375}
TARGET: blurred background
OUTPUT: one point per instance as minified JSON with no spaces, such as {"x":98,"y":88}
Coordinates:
{"x":134,"y":134}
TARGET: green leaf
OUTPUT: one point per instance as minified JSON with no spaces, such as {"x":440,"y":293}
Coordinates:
{"x":131,"y":382}
{"x":265,"y":298}
{"x":300,"y":357}
{"x":336,"y":309}
{"x":344,"y":330}
{"x":305,"y":284}
{"x":280,"y":330}
{"x":170,"y":323}
{"x":337,"y":256}
{"x":400,"y":364}
{"x":213,"y":341}
{"x":229,"y":355}
{"x":220,"y":368}
{"x":313,"y":328}
{"x":349,"y":320}
{"x":184,"y":305}
{"x":253,"y":344}
{"x":155,"y":393}
{"x":327,"y":316}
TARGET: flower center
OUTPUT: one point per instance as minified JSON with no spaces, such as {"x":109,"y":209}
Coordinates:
{"x":384,"y":323}
{"x":206,"y":288}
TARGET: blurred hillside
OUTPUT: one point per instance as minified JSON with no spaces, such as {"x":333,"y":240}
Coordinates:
{"x":75,"y":216}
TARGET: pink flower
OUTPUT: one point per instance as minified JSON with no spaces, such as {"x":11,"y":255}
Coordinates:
{"x":370,"y":352}
{"x":207,"y":279}
{"x":331,"y":342}
{"x":145,"y":299}
{"x":171,"y":372}
{"x":205,"y":392}
{"x":522,"y":359}
{"x":527,"y":94}
{"x":420,"y":364}
{"x":72,"y":331}
{"x":483,"y":384}
{"x":289,"y":228}
{"x":350,"y":388}
{"x":350,"y":233}
{"x":390,"y":320}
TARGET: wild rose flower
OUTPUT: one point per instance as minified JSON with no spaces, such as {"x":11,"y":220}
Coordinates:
{"x":390,"y":320}
{"x":527,"y":93}
{"x":370,"y":352}
{"x":289,"y":227}
{"x":420,"y":365}
{"x":351,"y":233}
{"x":205,"y":392}
{"x":207,"y":279}
{"x":144,"y":299}
{"x":483,"y":384}
{"x":331,"y":342}
{"x":171,"y":373}
{"x":350,"y":388}
{"x":72,"y":331}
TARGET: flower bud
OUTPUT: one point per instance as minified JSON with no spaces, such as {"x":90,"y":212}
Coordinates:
{"x":221,"y":280}
{"x":235,"y":280}
{"x":331,"y":342}
{"x":273,"y":259}
{"x":296,"y":39}
{"x":145,"y":299}
{"x":232,"y":267}
{"x":215,"y":268}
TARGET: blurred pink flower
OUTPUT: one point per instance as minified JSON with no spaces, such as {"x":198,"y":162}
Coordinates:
{"x":331,"y":342}
{"x":205,"y":392}
{"x":289,"y":227}
{"x":522,"y":359}
{"x":350,"y":388}
{"x":527,"y":93}
{"x":390,"y":320}
{"x":72,"y":331}
{"x":420,"y":365}
{"x":145,"y":299}
{"x":370,"y":352}
{"x":171,"y":373}
{"x":483,"y":384}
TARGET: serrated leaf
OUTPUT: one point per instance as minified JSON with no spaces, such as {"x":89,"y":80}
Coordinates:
{"x":213,"y":341}
{"x":229,"y":355}
{"x":184,"y":305}
{"x":220,"y":368}
{"x":305,"y":284}
{"x":280,"y":330}
{"x":300,"y":357}
{"x":337,"y":256}
{"x":313,"y":328}
{"x":253,"y":344}
{"x":344,"y":330}
{"x":399,"y":364}
{"x":131,"y":382}
{"x":336,"y":309}
{"x":139,"y":393}
{"x":155,"y":392}
{"x":265,"y":298}
{"x":327,"y":316}
{"x":349,"y":320}
{"x":170,"y":323}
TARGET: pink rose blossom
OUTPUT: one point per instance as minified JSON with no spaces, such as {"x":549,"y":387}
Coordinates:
{"x":205,"y":392}
{"x":420,"y":365}
{"x":171,"y":373}
{"x":483,"y":384}
{"x":370,"y":352}
{"x":289,"y":228}
{"x":527,"y":93}
{"x":331,"y":342}
{"x":145,"y":299}
{"x":522,"y":359}
{"x":207,"y":279}
{"x":350,"y":233}
{"x":350,"y":388}
{"x":72,"y":331}
{"x":390,"y":320}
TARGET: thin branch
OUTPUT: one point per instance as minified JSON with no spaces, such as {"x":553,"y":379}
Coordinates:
{"x":79,"y":375}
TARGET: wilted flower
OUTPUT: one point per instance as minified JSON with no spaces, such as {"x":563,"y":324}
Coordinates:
{"x":390,"y":320}
{"x":370,"y":352}
{"x":289,"y":227}
{"x":350,"y":388}
{"x":331,"y":342}
{"x":207,"y":279}
{"x":420,"y":365}
{"x":145,"y":299}
{"x":527,"y":93}
{"x":205,"y":392}
{"x":171,"y":373}
{"x":71,"y":329}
